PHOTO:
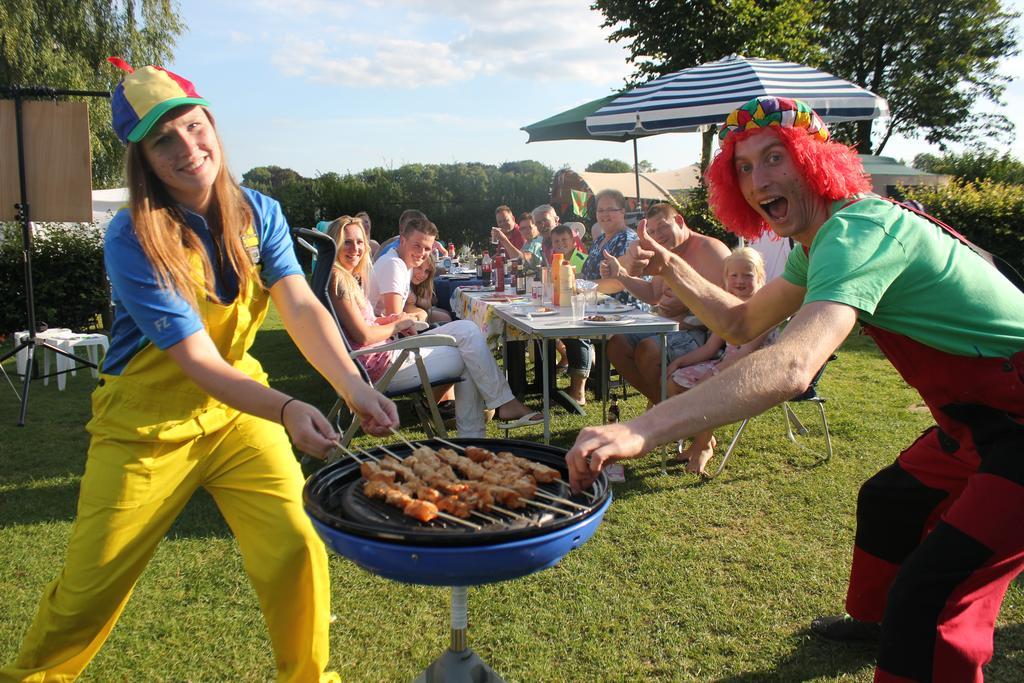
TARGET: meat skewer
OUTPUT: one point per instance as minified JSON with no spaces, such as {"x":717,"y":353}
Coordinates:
{"x":420,"y":510}
{"x":470,"y":485}
{"x":456,"y":446}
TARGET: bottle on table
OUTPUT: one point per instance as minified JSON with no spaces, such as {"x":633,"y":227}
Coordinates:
{"x":451,"y":254}
{"x":556,"y":268}
{"x":485,"y":269}
{"x":566,"y":283}
{"x":521,"y":279}
{"x":613,"y":411}
{"x":446,"y":263}
{"x":499,"y":271}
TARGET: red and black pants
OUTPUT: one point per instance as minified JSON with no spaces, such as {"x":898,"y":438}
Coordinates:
{"x":940,"y":532}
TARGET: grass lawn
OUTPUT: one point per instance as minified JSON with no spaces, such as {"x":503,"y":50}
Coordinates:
{"x":683,"y":580}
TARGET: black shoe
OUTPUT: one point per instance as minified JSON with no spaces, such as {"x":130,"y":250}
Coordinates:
{"x":842,"y":628}
{"x":447,"y":410}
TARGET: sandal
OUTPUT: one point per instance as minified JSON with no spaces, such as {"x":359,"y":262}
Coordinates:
{"x":534,"y":418}
{"x":680,"y":449}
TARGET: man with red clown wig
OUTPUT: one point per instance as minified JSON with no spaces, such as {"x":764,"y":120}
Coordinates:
{"x":938,"y":535}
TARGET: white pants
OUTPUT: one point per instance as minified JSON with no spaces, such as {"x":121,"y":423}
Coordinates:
{"x":471,"y":360}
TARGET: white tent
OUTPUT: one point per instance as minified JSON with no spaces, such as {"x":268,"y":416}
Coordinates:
{"x":775,"y":251}
{"x":105,"y":203}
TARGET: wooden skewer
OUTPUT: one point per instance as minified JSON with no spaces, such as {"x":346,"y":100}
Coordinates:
{"x":391,"y":453}
{"x":400,"y":436}
{"x":563,"y":501}
{"x":453,"y":518}
{"x":492,"y":520}
{"x":506,"y":511}
{"x":342,"y":449}
{"x":449,"y":443}
{"x":369,"y":455}
{"x":546,"y":507}
{"x":346,"y":451}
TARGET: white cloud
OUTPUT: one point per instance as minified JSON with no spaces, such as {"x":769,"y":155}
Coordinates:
{"x":552,"y":40}
{"x":397,"y":63}
{"x":303,"y":8}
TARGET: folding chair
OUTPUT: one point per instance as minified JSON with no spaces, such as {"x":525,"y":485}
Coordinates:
{"x":324,"y":249}
{"x":810,"y":395}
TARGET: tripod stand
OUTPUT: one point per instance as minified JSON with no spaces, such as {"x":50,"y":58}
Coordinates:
{"x":31,"y":344}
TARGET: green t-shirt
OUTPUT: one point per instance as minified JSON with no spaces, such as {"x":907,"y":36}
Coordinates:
{"x":906,"y":275}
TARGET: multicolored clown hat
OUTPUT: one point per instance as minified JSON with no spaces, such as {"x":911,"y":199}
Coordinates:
{"x":144,"y":96}
{"x":765,"y":111}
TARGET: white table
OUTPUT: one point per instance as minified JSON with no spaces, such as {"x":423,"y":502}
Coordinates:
{"x":562,"y":325}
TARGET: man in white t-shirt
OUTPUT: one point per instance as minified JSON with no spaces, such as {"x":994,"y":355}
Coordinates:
{"x":392,"y":273}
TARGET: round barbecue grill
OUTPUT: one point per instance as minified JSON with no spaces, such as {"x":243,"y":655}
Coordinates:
{"x":498,"y":545}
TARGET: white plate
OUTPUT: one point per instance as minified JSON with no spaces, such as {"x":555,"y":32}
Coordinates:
{"x":419,"y":326}
{"x":602,"y":309}
{"x":609,"y":320}
{"x":549,"y":311}
{"x":458,"y":277}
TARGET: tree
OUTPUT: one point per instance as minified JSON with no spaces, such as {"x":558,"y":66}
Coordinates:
{"x":664,"y":37}
{"x":609,"y":166}
{"x":974,"y":166}
{"x":270,"y":179}
{"x":932,"y":64}
{"x":64,"y":44}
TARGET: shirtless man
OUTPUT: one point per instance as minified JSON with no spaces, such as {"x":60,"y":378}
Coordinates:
{"x":637,"y":357}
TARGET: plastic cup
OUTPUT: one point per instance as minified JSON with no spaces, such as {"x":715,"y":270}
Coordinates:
{"x":579,"y":306}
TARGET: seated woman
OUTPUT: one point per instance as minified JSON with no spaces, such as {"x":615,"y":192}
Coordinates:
{"x":421,"y":294}
{"x":744,"y":275}
{"x":483,"y":386}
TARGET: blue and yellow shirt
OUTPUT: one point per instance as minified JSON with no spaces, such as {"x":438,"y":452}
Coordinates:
{"x":146,"y":314}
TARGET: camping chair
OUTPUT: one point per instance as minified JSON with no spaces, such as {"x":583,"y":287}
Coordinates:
{"x":324,"y":248}
{"x":810,"y":395}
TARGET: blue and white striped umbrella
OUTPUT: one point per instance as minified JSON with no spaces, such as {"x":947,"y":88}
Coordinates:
{"x":689,"y":99}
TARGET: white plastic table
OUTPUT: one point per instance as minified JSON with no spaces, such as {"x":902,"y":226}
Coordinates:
{"x":561,"y":325}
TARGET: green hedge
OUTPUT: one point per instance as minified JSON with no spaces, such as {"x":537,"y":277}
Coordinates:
{"x":69,"y":281}
{"x":459,"y":198}
{"x":988,"y":213}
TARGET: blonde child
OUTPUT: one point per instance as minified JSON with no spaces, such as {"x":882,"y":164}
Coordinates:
{"x":744,"y":275}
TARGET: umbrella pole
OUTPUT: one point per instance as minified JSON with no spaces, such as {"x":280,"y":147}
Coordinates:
{"x":636,"y":171}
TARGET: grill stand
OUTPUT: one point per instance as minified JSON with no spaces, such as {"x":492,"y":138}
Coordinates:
{"x":459,"y":664}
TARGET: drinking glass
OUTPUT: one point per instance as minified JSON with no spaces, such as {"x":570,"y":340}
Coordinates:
{"x":494,"y":237}
{"x":579,"y":305}
{"x":545,"y":279}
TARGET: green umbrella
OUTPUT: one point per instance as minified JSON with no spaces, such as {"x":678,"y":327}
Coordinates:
{"x":572,"y":125}
{"x":569,"y":125}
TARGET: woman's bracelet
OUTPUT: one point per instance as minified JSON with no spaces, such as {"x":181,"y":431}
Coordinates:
{"x":283,"y":406}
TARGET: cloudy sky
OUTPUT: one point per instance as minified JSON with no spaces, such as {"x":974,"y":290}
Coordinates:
{"x":343,"y":85}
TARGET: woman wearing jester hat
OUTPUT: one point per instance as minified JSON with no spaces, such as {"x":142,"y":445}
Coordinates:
{"x":938,"y":537}
{"x":193,"y":262}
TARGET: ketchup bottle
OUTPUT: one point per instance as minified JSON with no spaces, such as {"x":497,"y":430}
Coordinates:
{"x":485,"y":269}
{"x":499,"y":271}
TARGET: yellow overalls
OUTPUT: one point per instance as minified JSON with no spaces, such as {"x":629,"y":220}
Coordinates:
{"x":156,"y":437}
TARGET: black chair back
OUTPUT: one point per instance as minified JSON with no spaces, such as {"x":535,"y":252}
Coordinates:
{"x":323,"y":247}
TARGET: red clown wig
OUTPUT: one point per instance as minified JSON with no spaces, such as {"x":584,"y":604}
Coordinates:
{"x":830,"y":169}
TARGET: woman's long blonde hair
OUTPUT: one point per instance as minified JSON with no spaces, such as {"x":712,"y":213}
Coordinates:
{"x":425,"y":289}
{"x":170,"y":245}
{"x":343,"y":282}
